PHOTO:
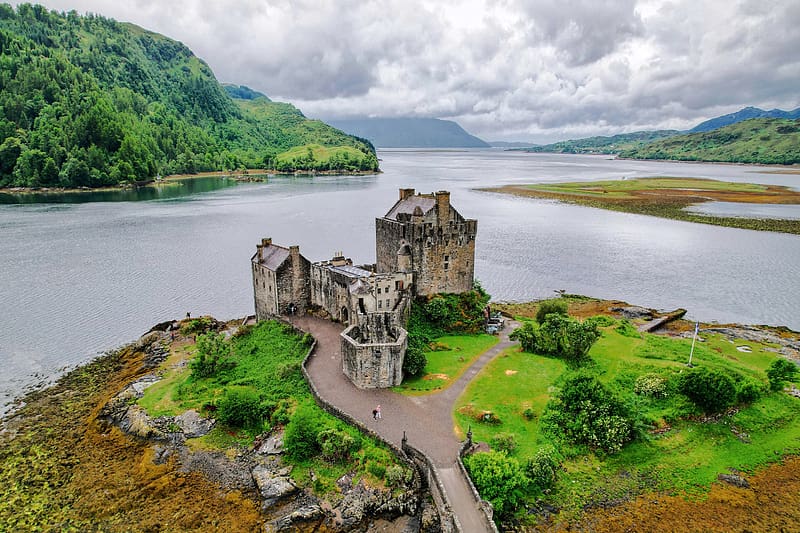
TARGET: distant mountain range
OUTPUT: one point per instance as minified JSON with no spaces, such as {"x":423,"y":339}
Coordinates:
{"x":765,"y":137}
{"x":410,"y":132}
{"x":743,"y":114}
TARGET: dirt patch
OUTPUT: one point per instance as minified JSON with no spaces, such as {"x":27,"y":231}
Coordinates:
{"x":511,"y":372}
{"x":430,"y":377}
{"x":772,"y":503}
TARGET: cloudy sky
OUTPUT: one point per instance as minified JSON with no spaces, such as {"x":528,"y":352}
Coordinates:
{"x":534,"y":70}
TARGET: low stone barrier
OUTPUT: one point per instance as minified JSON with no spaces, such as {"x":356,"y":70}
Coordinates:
{"x":485,"y":507}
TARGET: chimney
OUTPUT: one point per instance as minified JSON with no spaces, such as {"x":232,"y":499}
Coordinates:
{"x":406,"y":193}
{"x":294,"y":253}
{"x":442,"y":207}
{"x":266,"y":242}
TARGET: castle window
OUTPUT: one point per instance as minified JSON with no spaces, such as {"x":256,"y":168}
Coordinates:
{"x":398,"y":285}
{"x":446,"y":258}
{"x":380,"y":302}
{"x":379,"y":290}
{"x":388,"y":304}
{"x":387,"y":289}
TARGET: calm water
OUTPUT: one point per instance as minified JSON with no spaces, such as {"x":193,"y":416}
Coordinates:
{"x":738,"y":209}
{"x":77,"y":279}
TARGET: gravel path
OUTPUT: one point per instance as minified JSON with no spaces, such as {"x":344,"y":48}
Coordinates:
{"x":427,"y":420}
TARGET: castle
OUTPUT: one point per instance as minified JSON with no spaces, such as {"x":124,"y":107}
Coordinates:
{"x":423,"y":247}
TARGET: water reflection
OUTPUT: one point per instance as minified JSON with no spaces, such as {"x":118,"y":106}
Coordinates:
{"x":746,"y":210}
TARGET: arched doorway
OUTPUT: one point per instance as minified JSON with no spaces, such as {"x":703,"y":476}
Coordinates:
{"x":345,"y":316}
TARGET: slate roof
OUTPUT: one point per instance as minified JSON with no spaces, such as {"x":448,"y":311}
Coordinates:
{"x":408,"y":205}
{"x":351,"y":271}
{"x":273,"y":256}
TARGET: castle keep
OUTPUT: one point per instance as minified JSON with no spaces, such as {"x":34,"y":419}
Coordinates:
{"x":423,"y":247}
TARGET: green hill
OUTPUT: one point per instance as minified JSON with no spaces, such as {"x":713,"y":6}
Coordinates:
{"x":89,"y":101}
{"x":602,"y":145}
{"x":768,"y":141}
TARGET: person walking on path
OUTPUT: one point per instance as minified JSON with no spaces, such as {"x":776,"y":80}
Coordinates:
{"x":376,"y":413}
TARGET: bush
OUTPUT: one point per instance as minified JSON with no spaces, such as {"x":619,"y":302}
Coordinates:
{"x":335,"y":445}
{"x":779,"y":371}
{"x":499,"y":479}
{"x":529,"y":414}
{"x":504,"y":442}
{"x":241,"y":407}
{"x":710,"y":390}
{"x":542,"y":468}
{"x":397,"y":476}
{"x":414,"y":361}
{"x":300,"y":438}
{"x":197,"y":325}
{"x":376,"y":469}
{"x":627,"y":329}
{"x":584,"y":411}
{"x":748,"y":392}
{"x":282,"y":413}
{"x":651,"y":385}
{"x":213,"y":355}
{"x":558,"y":335}
{"x":602,"y":321}
{"x":557,"y":306}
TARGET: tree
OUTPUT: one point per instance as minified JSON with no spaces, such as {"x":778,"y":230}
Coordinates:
{"x":499,"y":479}
{"x":584,"y":411}
{"x":241,"y":407}
{"x":302,"y":432}
{"x":213,"y":355}
{"x":560,"y":336}
{"x":779,"y":371}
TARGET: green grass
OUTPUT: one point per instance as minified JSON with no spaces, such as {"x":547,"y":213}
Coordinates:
{"x":454,"y":354}
{"x":686,"y":457}
{"x":624,"y":188}
{"x":268,"y":359}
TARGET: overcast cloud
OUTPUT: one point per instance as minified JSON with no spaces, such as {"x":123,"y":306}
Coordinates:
{"x":537,"y":70}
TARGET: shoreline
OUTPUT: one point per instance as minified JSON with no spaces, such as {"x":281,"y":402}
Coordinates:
{"x":165,"y":180}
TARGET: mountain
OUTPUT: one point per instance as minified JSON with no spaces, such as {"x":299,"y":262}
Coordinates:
{"x":242,"y":92}
{"x":410,"y":132}
{"x":89,"y":101}
{"x":743,"y":114}
{"x":760,"y":140}
{"x":603,"y":145}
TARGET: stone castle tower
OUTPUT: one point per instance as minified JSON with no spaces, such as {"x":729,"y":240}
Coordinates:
{"x":424,"y":234}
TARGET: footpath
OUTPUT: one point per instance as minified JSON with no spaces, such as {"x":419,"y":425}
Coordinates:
{"x":427,"y":421}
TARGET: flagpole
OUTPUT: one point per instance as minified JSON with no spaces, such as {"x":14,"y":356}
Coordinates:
{"x":696,"y":327}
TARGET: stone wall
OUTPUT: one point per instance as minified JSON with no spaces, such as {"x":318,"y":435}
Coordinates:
{"x":264,"y":291}
{"x":373,"y":351}
{"x":442,"y":246}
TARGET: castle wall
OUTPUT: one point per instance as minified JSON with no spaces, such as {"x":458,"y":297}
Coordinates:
{"x":264,"y":291}
{"x":275,"y":291}
{"x":373,"y":352}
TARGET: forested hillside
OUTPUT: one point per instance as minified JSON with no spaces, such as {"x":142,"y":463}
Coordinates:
{"x":767,"y":141}
{"x":89,"y":101}
{"x":601,"y":144}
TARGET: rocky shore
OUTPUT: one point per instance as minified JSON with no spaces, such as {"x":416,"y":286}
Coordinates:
{"x":82,"y":455}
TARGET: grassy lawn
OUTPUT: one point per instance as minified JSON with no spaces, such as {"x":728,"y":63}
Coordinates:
{"x":451,"y":358}
{"x":667,"y":197}
{"x":676,"y":452}
{"x":267,"y":360}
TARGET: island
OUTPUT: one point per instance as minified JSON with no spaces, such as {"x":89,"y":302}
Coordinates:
{"x":669,"y":197}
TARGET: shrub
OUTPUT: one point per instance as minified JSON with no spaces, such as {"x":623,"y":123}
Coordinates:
{"x":558,"y":335}
{"x":627,"y":329}
{"x":780,"y":370}
{"x":415,"y":361}
{"x":748,"y":392}
{"x":504,"y":442}
{"x":213,"y":355}
{"x":241,"y":407}
{"x":584,"y":411}
{"x":197,"y":325}
{"x":282,"y":412}
{"x":651,"y":385}
{"x":376,"y":469}
{"x":499,"y":479}
{"x":557,"y":306}
{"x":300,"y":438}
{"x":542,"y":468}
{"x":397,"y":476}
{"x":710,"y":390}
{"x":335,"y":445}
{"x":529,"y":414}
{"x":602,"y":321}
